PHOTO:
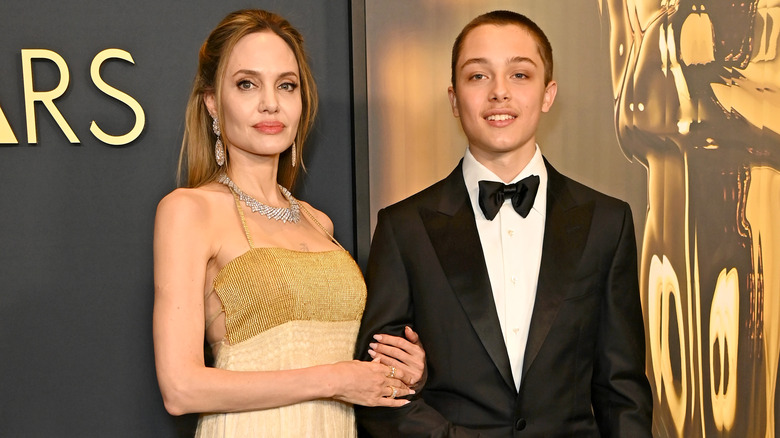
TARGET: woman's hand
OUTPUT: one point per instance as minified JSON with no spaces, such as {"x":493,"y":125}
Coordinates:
{"x":405,"y":357}
{"x":367,"y":384}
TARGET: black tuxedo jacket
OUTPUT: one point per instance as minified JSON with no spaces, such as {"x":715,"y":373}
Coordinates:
{"x":583,"y":372}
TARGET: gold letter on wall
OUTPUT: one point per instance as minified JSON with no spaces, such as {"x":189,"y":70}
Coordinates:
{"x":140,"y":117}
{"x":46,"y":97}
{"x":6,"y":133}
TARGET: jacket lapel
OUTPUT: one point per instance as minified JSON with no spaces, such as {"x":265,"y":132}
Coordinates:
{"x":565,"y":234}
{"x":454,"y":236}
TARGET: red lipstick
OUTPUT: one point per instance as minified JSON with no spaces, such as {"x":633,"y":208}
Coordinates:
{"x":270,"y":127}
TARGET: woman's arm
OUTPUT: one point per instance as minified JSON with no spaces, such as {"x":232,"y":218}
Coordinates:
{"x":183,"y":247}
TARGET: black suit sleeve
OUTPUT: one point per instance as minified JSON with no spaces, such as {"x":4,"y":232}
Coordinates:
{"x":389,"y":308}
{"x":621,"y":395}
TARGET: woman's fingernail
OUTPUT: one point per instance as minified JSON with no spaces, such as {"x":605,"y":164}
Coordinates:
{"x":372,"y":353}
{"x":372,"y":345}
{"x":378,"y":337}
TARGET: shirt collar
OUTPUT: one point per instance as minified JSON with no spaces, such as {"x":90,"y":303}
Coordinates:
{"x":474,"y":172}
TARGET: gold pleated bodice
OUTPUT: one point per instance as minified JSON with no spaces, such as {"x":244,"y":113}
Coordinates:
{"x":267,"y":287}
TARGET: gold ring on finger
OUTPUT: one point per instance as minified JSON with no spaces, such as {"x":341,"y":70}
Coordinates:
{"x":395,"y":391}
{"x":392,"y":372}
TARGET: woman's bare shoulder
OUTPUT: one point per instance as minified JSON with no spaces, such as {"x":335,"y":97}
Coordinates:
{"x":197,"y":203}
{"x":320,"y":216}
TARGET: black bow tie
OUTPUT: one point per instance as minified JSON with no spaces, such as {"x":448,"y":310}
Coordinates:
{"x":522,"y":193}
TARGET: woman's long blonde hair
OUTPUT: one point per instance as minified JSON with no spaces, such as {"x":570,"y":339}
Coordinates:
{"x":197,"y":149}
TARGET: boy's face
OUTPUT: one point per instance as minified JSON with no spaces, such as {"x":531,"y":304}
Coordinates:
{"x":500,"y":89}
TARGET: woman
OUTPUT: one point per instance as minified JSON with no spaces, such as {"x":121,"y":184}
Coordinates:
{"x":238,"y":258}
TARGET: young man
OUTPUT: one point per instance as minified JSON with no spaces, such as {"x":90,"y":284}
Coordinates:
{"x":525,"y":295}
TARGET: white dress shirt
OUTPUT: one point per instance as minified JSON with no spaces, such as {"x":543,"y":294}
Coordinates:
{"x":512,"y":246}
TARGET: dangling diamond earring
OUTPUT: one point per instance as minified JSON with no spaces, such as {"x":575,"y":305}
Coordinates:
{"x":219,"y":148}
{"x":293,"y":154}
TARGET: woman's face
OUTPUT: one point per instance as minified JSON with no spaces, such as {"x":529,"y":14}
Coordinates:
{"x":261,"y":97}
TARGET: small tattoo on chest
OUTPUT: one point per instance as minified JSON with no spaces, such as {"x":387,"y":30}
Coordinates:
{"x":304,"y":247}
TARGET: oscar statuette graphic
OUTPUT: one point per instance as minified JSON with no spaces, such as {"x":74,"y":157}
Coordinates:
{"x":697,"y":102}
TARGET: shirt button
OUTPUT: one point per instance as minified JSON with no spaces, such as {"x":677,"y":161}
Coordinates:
{"x":520,"y":424}
{"x":513,"y":279}
{"x":511,"y":233}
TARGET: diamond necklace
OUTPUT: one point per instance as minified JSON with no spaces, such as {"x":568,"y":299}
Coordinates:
{"x":284,"y":214}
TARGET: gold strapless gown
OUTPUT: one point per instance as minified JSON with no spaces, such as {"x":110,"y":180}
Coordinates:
{"x":284,"y":310}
